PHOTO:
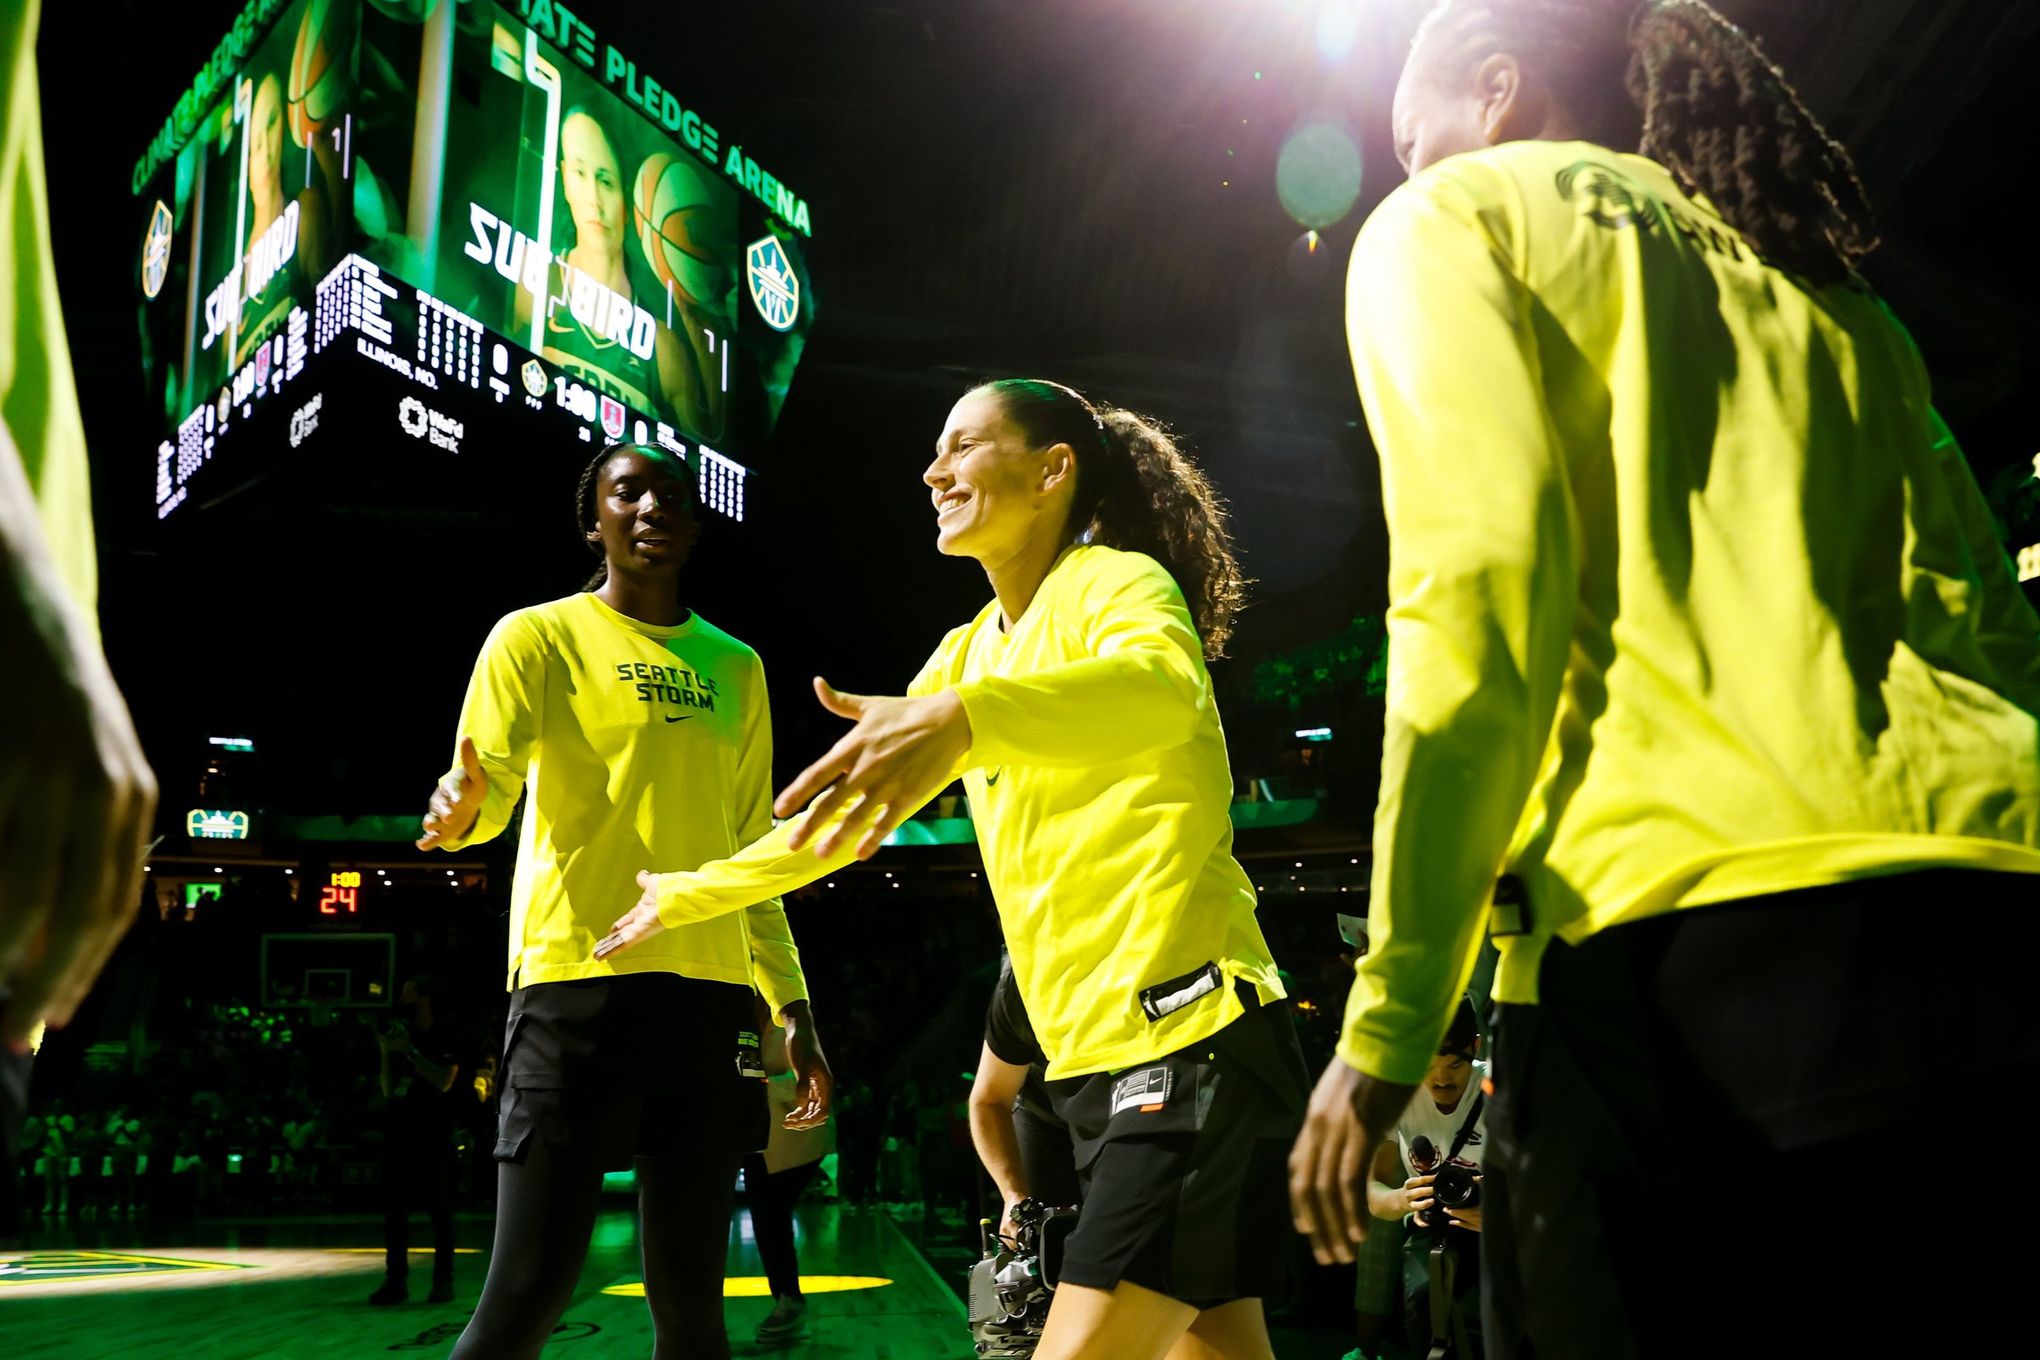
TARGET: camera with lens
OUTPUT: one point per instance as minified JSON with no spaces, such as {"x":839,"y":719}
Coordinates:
{"x":1456,"y":1187}
{"x":1452,"y":1186}
{"x":1012,"y":1287}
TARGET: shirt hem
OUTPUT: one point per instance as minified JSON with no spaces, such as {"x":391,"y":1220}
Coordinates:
{"x":531,"y":974}
{"x":1762,"y":871}
{"x":1160,"y":1042}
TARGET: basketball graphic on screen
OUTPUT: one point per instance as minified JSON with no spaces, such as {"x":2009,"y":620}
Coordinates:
{"x":321,"y":65}
{"x":684,"y":237}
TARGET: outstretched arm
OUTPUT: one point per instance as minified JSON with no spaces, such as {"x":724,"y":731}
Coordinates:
{"x":500,"y":725}
{"x":780,"y":860}
{"x":1143,"y":687}
{"x":1483,"y":584}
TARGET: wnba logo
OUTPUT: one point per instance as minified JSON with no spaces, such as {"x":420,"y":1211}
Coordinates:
{"x":775,"y":288}
{"x":156,"y":250}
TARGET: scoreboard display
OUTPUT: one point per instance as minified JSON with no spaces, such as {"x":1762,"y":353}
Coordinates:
{"x":341,"y":896}
{"x":382,"y":231}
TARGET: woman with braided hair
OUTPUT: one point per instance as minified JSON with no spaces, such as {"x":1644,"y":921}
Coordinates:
{"x":1709,"y":682}
{"x":1077,"y":709}
{"x":630,"y":728}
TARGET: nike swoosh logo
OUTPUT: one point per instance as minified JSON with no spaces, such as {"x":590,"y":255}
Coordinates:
{"x":682,"y":718}
{"x":993,"y":778}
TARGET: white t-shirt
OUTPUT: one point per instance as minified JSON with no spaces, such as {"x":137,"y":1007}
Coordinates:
{"x":1423,"y":1119}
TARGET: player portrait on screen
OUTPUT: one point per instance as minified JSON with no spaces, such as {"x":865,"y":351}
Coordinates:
{"x":271,"y":277}
{"x":274,"y":186}
{"x":653,"y":240}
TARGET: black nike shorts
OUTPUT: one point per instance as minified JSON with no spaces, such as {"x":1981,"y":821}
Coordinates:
{"x":637,"y":1065}
{"x":1184,"y":1164}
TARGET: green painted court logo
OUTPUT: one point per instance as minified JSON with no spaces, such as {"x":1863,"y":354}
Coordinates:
{"x":53,"y":1267}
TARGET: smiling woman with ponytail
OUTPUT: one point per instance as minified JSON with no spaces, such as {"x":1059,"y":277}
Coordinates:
{"x":1077,"y":709}
{"x":1137,"y":492}
{"x":1706,"y":674}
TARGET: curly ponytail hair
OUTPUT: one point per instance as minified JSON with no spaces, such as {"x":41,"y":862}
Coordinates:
{"x":1676,"y":81}
{"x":1138,"y":492}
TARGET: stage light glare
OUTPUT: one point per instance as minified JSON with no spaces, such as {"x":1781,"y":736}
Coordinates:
{"x":1317,"y":175}
{"x":1338,"y":24}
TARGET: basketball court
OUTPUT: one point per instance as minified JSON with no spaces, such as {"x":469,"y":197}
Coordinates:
{"x":299,"y":1290}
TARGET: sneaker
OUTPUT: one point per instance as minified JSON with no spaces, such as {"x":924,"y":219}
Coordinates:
{"x":786,"y":1322}
{"x":442,"y":1292}
{"x":392,"y":1292}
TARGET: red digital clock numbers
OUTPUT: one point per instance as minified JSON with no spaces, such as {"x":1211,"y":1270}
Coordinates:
{"x":342,"y":897}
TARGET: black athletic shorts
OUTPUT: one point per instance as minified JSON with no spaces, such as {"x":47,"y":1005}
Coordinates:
{"x":637,"y":1065}
{"x":1184,"y":1164}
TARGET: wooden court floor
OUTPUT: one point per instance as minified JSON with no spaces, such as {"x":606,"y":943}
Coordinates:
{"x":285,"y":1293}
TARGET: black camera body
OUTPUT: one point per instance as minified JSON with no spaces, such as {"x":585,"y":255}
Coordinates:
{"x":1452,"y":1186}
{"x":1012,"y":1287}
{"x":1456,"y":1187}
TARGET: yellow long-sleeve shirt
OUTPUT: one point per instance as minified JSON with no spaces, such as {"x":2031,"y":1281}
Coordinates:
{"x":1692,"y":597}
{"x":38,"y":396}
{"x":641,"y":746}
{"x":1100,"y":791}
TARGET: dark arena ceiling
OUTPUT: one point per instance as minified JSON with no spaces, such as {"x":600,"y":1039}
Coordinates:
{"x":1083,"y":189}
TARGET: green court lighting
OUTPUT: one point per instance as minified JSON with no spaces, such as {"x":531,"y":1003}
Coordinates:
{"x":757,"y":1287}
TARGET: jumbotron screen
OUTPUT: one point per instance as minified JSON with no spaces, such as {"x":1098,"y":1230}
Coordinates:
{"x":413,"y":227}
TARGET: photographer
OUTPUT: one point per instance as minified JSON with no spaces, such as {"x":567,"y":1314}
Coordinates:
{"x":417,"y":1078}
{"x":1025,"y":1148}
{"x":1439,"y":1139}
